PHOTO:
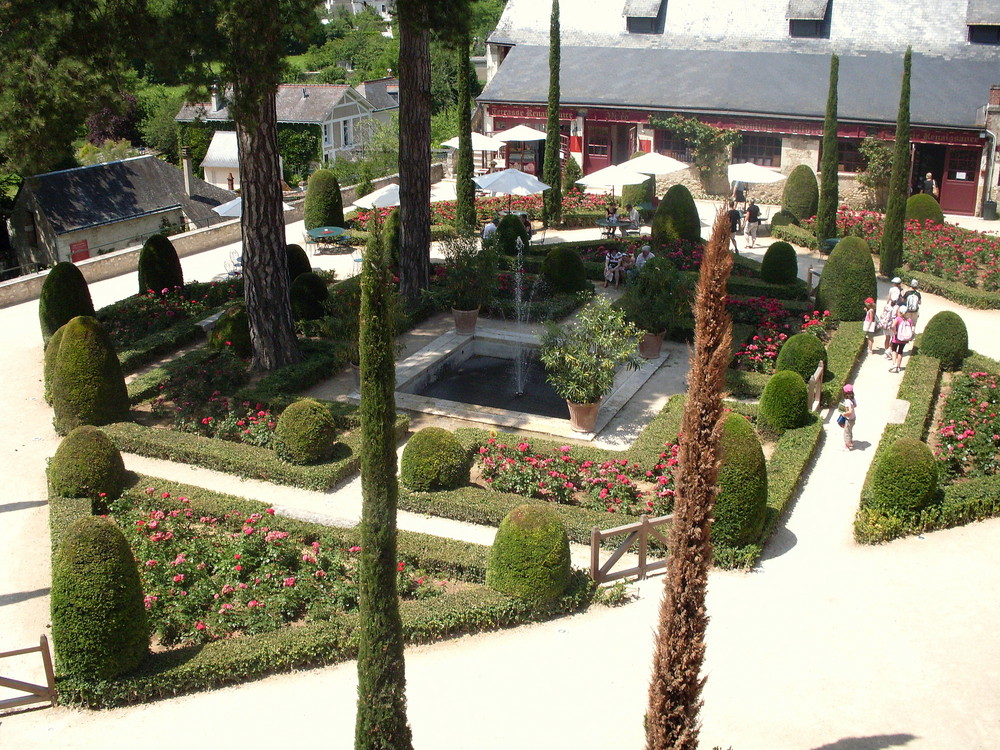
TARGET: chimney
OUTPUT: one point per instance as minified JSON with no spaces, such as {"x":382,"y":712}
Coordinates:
{"x":216,"y":99}
{"x":186,"y":168}
{"x":305,"y":93}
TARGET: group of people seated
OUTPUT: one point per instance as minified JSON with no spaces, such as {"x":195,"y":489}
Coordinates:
{"x":491,"y":226}
{"x":620,"y":265}
{"x":628,"y":221}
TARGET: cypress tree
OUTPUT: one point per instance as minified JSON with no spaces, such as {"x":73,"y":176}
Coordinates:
{"x":826,"y":218}
{"x":465,"y":210}
{"x":381,"y":719}
{"x":891,"y":253}
{"x":552,"y":200}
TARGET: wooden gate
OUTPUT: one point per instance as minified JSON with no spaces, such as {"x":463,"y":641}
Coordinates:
{"x":35,"y":693}
{"x":641,"y":532}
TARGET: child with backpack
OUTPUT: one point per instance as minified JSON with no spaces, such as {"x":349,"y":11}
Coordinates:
{"x":911,"y":301}
{"x":902,"y":333}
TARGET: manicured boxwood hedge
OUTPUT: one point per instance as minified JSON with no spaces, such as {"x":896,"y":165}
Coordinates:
{"x":978,"y":299}
{"x":795,"y":235}
{"x":152,"y":347}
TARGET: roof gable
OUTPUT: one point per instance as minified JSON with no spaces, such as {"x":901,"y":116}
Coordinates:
{"x":311,"y":103}
{"x":223,"y":152}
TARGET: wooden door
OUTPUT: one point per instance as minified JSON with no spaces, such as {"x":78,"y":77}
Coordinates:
{"x":960,"y":180}
{"x":598,"y":148}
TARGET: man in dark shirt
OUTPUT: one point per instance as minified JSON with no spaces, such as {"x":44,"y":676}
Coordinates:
{"x":734,"y":224}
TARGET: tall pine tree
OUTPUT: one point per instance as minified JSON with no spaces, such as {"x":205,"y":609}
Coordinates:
{"x":891,"y":254}
{"x":829,"y":197}
{"x":465,"y":210}
{"x":552,"y":199}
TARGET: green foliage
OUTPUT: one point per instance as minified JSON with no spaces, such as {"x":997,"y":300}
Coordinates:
{"x":159,"y":266}
{"x":891,"y":252}
{"x":49,"y":363}
{"x":434,"y":459}
{"x":99,"y":625}
{"x":564,"y":272}
{"x":308,"y":293}
{"x":305,"y":433}
{"x":875,"y":175}
{"x":87,"y":382}
{"x":552,"y":175}
{"x":298,"y":261}
{"x":324,"y":206}
{"x":904,"y":478}
{"x":826,"y":214}
{"x":710,"y":145}
{"x":64,"y":295}
{"x":780,"y":264}
{"x":741,"y":505}
{"x":800,"y":197}
{"x":659,"y":297}
{"x":784,"y":404}
{"x":390,"y":236}
{"x":509,"y":231}
{"x":923,"y":207}
{"x":847,"y":280}
{"x":529,"y":558}
{"x":160,"y":105}
{"x":465,"y":188}
{"x":787,"y":218}
{"x":676,"y":218}
{"x":87,"y":464}
{"x":299,"y":145}
{"x":947,"y":339}
{"x":471,"y":276}
{"x":571,"y":173}
{"x":635,"y":195}
{"x":232,"y":330}
{"x":801,"y":353}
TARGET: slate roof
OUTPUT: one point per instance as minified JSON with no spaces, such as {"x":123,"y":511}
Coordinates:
{"x":74,"y":199}
{"x":223,"y":151}
{"x":303,"y":103}
{"x":783,"y":85}
{"x":377,"y":93}
{"x":983,"y":12}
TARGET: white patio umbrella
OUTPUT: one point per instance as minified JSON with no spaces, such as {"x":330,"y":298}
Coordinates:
{"x":520,"y":133}
{"x":388,"y":196}
{"x":511,"y":182}
{"x":654,"y":163}
{"x":612,"y":178}
{"x":480,"y":142}
{"x":234,"y":208}
{"x":753,"y":173}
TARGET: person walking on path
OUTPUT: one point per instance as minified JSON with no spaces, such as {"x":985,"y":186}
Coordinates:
{"x":911,"y":302}
{"x":889,"y":313}
{"x":752,"y":223}
{"x":870,"y":324}
{"x":902,"y":332}
{"x":734,"y":225}
{"x":848,"y":414}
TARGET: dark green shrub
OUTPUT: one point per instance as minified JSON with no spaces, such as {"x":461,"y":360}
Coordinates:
{"x":308,"y":293}
{"x":780,"y":264}
{"x":904,"y":479}
{"x":159,"y":266}
{"x":636,"y":195}
{"x":571,"y":173}
{"x":434,"y":459}
{"x":659,"y":298}
{"x":509,"y":230}
{"x":529,"y":558}
{"x":801,"y":353}
{"x":848,"y":279}
{"x":390,"y":236}
{"x":946,"y":338}
{"x":801,"y":194}
{"x":923,"y":207}
{"x":324,"y":206}
{"x":741,"y":506}
{"x":298,"y":262}
{"x":232,"y":330}
{"x":99,"y":626}
{"x":86,"y":464}
{"x":87,"y":382}
{"x":64,"y":295}
{"x":784,"y":404}
{"x":305,"y":432}
{"x":784,"y":219}
{"x":564,"y":272}
{"x":676,"y":218}
{"x":49,"y":363}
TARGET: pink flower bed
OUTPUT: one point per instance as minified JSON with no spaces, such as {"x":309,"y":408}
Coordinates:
{"x":968,"y":435}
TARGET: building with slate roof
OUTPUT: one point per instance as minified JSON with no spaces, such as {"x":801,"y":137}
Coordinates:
{"x":78,"y":213}
{"x":383,"y":94}
{"x":762,"y":69}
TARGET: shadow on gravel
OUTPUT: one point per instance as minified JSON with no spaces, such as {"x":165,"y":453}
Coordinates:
{"x":23,"y":505}
{"x":875,"y":742}
{"x":781,"y":541}
{"x":21,"y":596}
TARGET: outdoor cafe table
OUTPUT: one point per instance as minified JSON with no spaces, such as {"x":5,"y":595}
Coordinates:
{"x":610,"y":225}
{"x":327,"y":234}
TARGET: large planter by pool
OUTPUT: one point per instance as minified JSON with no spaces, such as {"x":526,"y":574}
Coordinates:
{"x":465,"y":320}
{"x":583,"y":417}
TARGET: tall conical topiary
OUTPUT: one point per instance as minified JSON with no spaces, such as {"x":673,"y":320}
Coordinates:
{"x":552,"y":198}
{"x":324,"y":206}
{"x":390,"y":237}
{"x":298,"y":262}
{"x":64,"y":295}
{"x":801,"y":194}
{"x":87,"y":382}
{"x":159,"y":266}
{"x":87,"y":464}
{"x":465,"y":188}
{"x":848,"y":279}
{"x":676,"y":217}
{"x":829,"y":194}
{"x":741,"y":507}
{"x":891,"y":253}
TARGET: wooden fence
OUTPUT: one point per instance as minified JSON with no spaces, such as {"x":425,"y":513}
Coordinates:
{"x":641,"y":532}
{"x":35,"y":693}
{"x":815,"y":388}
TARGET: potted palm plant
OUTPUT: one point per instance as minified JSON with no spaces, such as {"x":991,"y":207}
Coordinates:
{"x":658,"y":298}
{"x":468,"y":280}
{"x":582,"y":357}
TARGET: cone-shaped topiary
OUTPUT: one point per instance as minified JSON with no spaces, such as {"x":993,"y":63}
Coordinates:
{"x":87,"y":382}
{"x":298,"y":262}
{"x":434,"y":459}
{"x":676,"y":217}
{"x":783,"y":219}
{"x":563,"y":271}
{"x":905,"y":478}
{"x":847,"y":280}
{"x":946,"y":338}
{"x":99,"y":625}
{"x":390,"y":236}
{"x":159,"y":266}
{"x":509,"y":231}
{"x":801,"y":194}
{"x":232,"y":330}
{"x":741,"y":506}
{"x":780,"y":264}
{"x":801,"y":353}
{"x":64,"y":295}
{"x":324,"y":206}
{"x":305,"y":432}
{"x":529,"y":558}
{"x":923,"y":207}
{"x":49,"y":362}
{"x":784,"y":404}
{"x":308,"y":293}
{"x":87,"y":464}
{"x":571,"y":173}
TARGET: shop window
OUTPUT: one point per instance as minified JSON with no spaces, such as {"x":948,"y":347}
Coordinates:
{"x":963,"y":164}
{"x":598,"y":146}
{"x":764,"y":150}
{"x":849,"y":157}
{"x":984,"y":34}
{"x":667,"y":142}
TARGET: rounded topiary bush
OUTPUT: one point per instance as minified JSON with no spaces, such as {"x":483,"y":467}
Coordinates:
{"x":324,"y":206}
{"x":741,"y":506}
{"x":99,"y":625}
{"x":800,"y":197}
{"x":49,"y":363}
{"x":509,"y":231}
{"x":783,"y":219}
{"x":801,"y":353}
{"x":305,"y":432}
{"x":848,"y":279}
{"x":434,"y":459}
{"x":159,"y":266}
{"x":924,"y":207}
{"x":564,"y":272}
{"x":780,"y":264}
{"x":905,"y":478}
{"x":87,"y":382}
{"x":87,"y":464}
{"x":676,"y":217}
{"x":784,"y":404}
{"x":232,"y":330}
{"x":64,"y":296}
{"x":529,"y":558}
{"x":636,"y":195}
{"x":298,"y":261}
{"x":308,"y":293}
{"x":946,"y":338}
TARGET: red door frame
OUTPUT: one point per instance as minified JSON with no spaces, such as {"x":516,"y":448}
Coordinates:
{"x":958,"y":196}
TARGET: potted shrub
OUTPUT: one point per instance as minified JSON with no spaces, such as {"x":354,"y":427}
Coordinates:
{"x":469,"y":279}
{"x":658,"y":297}
{"x":581,"y":358}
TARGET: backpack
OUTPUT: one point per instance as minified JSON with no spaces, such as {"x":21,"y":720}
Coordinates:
{"x":913,"y":301}
{"x":904,"y":330}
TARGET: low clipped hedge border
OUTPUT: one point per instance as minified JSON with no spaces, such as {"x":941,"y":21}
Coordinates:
{"x":154,"y":346}
{"x":796,"y":236}
{"x":956,"y":291}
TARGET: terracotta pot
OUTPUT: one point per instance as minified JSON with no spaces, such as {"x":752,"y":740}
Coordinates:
{"x":649,"y":346}
{"x":583,"y":417}
{"x":465,"y":320}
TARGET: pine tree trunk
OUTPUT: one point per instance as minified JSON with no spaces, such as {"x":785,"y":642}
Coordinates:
{"x":552,"y":198}
{"x":829,"y":194}
{"x":465,"y":210}
{"x":891,"y":252}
